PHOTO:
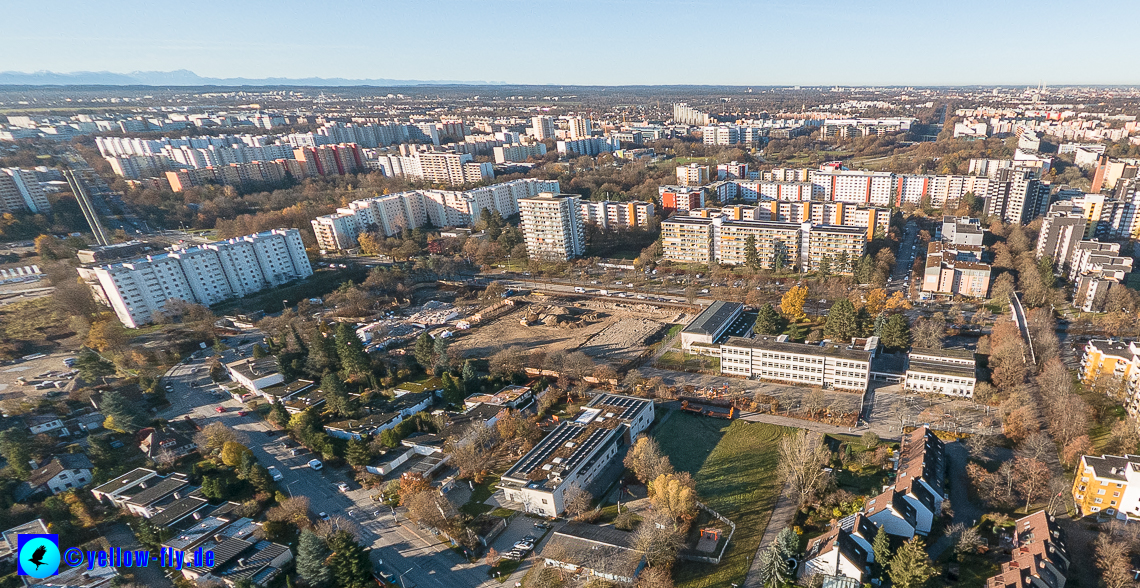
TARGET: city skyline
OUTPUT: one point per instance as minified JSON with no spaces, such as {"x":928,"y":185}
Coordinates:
{"x":809,"y":43}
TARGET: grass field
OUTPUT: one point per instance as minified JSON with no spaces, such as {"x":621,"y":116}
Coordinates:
{"x":734,"y":465}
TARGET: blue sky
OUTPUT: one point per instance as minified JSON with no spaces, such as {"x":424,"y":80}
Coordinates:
{"x":610,"y":42}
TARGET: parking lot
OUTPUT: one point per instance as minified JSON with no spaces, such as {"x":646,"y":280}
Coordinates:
{"x":50,"y":368}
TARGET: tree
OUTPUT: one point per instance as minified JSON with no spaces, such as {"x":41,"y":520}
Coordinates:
{"x":278,"y":414}
{"x":311,"y":555}
{"x":910,"y":567}
{"x":1112,"y":559}
{"x":92,"y":367}
{"x":106,"y":334}
{"x":841,"y":323}
{"x":774,"y":572}
{"x":1032,"y":476}
{"x":351,"y":351}
{"x":337,"y":400}
{"x":577,"y":501}
{"x":788,"y":542}
{"x":452,"y":394}
{"x":825,"y":265}
{"x":350,"y":564}
{"x":768,"y":321}
{"x":425,"y":348}
{"x":674,"y":495}
{"x":792,"y":303}
{"x":439,"y":351}
{"x":656,"y":577}
{"x":1076,"y":448}
{"x":233,"y":453}
{"x":16,"y":446}
{"x":646,"y":460}
{"x":802,"y":458}
{"x":124,"y":416}
{"x":896,"y":332}
{"x":881,"y":546}
{"x":751,"y":256}
{"x":214,"y":437}
{"x":929,"y":332}
{"x":356,"y":453}
{"x":658,"y":540}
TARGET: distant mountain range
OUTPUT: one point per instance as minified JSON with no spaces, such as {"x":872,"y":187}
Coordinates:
{"x":184,"y":77}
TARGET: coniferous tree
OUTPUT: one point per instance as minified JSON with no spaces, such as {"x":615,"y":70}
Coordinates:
{"x":124,"y":416}
{"x":896,"y":332}
{"x":751,"y":256}
{"x":351,"y":351}
{"x":425,"y":349}
{"x":768,"y":321}
{"x":910,"y":567}
{"x":311,"y":555}
{"x":774,"y":571}
{"x":349,"y":562}
{"x":842,"y":323}
{"x":337,"y":400}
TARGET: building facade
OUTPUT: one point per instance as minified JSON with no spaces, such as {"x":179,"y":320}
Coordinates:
{"x":616,"y":215}
{"x":777,"y":359}
{"x":552,"y":226}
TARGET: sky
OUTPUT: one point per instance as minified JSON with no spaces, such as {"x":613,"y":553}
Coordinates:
{"x":588,"y":42}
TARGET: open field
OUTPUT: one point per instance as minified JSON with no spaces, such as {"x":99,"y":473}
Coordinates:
{"x":623,"y":340}
{"x":734,"y":465}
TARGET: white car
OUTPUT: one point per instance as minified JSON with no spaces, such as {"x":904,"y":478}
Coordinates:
{"x":275,"y":473}
{"x":316,"y":464}
{"x":343,"y":487}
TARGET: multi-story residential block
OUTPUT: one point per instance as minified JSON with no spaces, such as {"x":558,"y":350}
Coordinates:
{"x":962,"y":231}
{"x":552,"y":226}
{"x":576,"y":454}
{"x":721,"y":135}
{"x":753,"y":190}
{"x":20,"y":191}
{"x":591,"y":146}
{"x":519,"y":152}
{"x":875,"y":220}
{"x":1114,"y":366}
{"x":1091,"y":288}
{"x":542,"y":127}
{"x":856,"y":187}
{"x":778,"y":245}
{"x":613,"y":215}
{"x":732,"y":171}
{"x":680,"y":198}
{"x":205,"y":274}
{"x":710,"y":237}
{"x":689,"y":239}
{"x":840,"y":246}
{"x":1109,"y":484}
{"x":956,"y":270}
{"x":683,"y":114}
{"x":391,"y":214}
{"x":952,"y":372}
{"x":777,"y":359}
{"x":692,"y":174}
{"x":1016,"y":196}
{"x":1061,"y":230}
{"x":331,"y":159}
{"x":579,"y":127}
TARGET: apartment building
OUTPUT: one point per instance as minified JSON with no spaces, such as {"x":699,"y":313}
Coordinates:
{"x":579,"y":127}
{"x":713,"y":238}
{"x":952,"y":372}
{"x":20,"y":191}
{"x":680,"y":198}
{"x":721,"y":134}
{"x":328,"y":160}
{"x":732,"y":171}
{"x":576,"y":454}
{"x":1109,"y":484}
{"x":827,"y":365}
{"x":683,"y":114}
{"x":1115,"y":367}
{"x":962,"y":231}
{"x":777,"y":244}
{"x":542,"y":127}
{"x":856,"y":187}
{"x":955,"y":270}
{"x":835,"y":244}
{"x":205,"y":274}
{"x":552,"y":226}
{"x":753,"y":190}
{"x":875,"y":220}
{"x":1038,"y":558}
{"x":591,"y":146}
{"x":692,"y":174}
{"x":689,"y":239}
{"x":1061,"y":230}
{"x":1016,"y":196}
{"x":391,"y":214}
{"x":616,"y":215}
{"x":518,"y":152}
{"x":242,"y":175}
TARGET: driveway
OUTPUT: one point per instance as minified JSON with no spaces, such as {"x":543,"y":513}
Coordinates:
{"x":965,"y":512}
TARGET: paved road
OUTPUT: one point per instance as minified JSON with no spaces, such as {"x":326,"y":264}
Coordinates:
{"x":965,"y":512}
{"x":423,"y":559}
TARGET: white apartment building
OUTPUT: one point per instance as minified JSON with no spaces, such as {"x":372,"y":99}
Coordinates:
{"x":941,"y":371}
{"x":612,"y":215}
{"x":1016,"y":196}
{"x":20,"y":190}
{"x":692,"y":175}
{"x":552,"y":226}
{"x":577,"y":453}
{"x":205,"y":274}
{"x":591,"y":146}
{"x":775,"y":358}
{"x":580,"y":127}
{"x":391,"y":214}
{"x":858,"y":187}
{"x":518,"y":152}
{"x":713,"y":238}
{"x":689,"y":239}
{"x":542,"y":127}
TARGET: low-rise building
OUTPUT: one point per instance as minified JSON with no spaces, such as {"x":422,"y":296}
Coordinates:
{"x":941,"y":371}
{"x":152,"y":499}
{"x":255,"y":375}
{"x":515,"y":397}
{"x":166,"y":445}
{"x":603,"y":552}
{"x":1038,"y":559}
{"x":846,"y":550}
{"x":60,"y":474}
{"x":578,"y":453}
{"x":909,"y":507}
{"x":357,"y":429}
{"x":827,"y":365}
{"x":711,"y":324}
{"x":118,"y":491}
{"x":10,"y":544}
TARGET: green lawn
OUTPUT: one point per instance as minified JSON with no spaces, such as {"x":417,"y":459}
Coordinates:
{"x":734,"y":465}
{"x":475,"y":505}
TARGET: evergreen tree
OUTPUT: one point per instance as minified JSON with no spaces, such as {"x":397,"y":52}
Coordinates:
{"x":439,"y":349}
{"x":16,"y":447}
{"x":751,"y":256}
{"x":452,"y":394}
{"x":779,"y":260}
{"x":881,"y":546}
{"x":337,"y":400}
{"x":825,"y":265}
{"x":322,"y":354}
{"x":425,"y":349}
{"x":351,"y":351}
{"x":842,"y":324}
{"x":842,"y":263}
{"x":123,"y":415}
{"x":774,"y":571}
{"x":787,"y":542}
{"x":470,"y":379}
{"x":864,"y":269}
{"x":356,"y":452}
{"x":768,"y":321}
{"x":278,"y":414}
{"x":896,"y":332}
{"x":910,"y":567}
{"x":259,"y":351}
{"x":92,"y":367}
{"x":311,"y":555}
{"x":865,"y":321}
{"x":349,"y":562}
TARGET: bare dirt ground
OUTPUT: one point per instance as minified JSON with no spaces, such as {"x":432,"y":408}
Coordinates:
{"x":9,"y":372}
{"x":484,"y":340}
{"x":623,"y":340}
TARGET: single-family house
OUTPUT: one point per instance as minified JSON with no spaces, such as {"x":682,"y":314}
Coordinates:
{"x":61,"y":473}
{"x":845,"y":550}
{"x":45,"y":423}
{"x":166,"y":445}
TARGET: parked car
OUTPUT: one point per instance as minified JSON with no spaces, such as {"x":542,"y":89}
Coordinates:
{"x":275,"y":473}
{"x":219,"y":409}
{"x":343,"y":487}
{"x":242,"y":413}
{"x":543,"y":525}
{"x":316,"y":464}
{"x":324,"y":516}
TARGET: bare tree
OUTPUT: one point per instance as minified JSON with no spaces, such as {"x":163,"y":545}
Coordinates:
{"x":1112,"y":561}
{"x":814,"y":401}
{"x":802,"y":458}
{"x":1036,"y":446}
{"x":577,"y":501}
{"x":657,"y":539}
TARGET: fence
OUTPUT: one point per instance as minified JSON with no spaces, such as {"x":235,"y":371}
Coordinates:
{"x":731,"y":532}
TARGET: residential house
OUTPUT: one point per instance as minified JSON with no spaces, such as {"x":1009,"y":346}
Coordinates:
{"x":61,"y":473}
{"x":908,"y":507}
{"x":45,"y":423}
{"x":9,"y":543}
{"x":357,"y":429}
{"x":1038,"y":559}
{"x":192,"y":507}
{"x":842,"y":551}
{"x":166,"y":445}
{"x":117,"y":491}
{"x":241,"y":559}
{"x":255,"y":374}
{"x":154,"y":498}
{"x":515,"y":397}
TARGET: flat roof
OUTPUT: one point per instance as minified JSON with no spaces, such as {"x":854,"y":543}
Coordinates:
{"x":714,"y":318}
{"x":771,"y":344}
{"x":126,"y":480}
{"x":160,"y":490}
{"x":575,"y":440}
{"x":609,"y":404}
{"x":953,"y":353}
{"x":945,"y":369}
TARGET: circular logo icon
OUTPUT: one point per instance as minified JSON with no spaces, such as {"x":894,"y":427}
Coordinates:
{"x":39,"y":558}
